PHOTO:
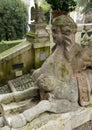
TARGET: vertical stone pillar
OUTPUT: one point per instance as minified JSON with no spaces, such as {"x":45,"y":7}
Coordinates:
{"x":39,"y":37}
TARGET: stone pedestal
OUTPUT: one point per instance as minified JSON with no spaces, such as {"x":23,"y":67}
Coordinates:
{"x":40,"y":39}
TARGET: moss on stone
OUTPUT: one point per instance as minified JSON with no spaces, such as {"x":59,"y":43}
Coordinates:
{"x":12,"y":42}
{"x":5,"y":45}
{"x":64,"y":71}
{"x":38,"y":51}
{"x":33,"y":35}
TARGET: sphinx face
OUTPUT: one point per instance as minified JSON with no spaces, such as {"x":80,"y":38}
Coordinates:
{"x":57,"y":34}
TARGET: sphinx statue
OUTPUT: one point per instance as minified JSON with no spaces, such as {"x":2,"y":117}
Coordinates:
{"x":60,"y":78}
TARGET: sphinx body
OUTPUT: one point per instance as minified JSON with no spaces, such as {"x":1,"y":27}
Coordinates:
{"x":57,"y":83}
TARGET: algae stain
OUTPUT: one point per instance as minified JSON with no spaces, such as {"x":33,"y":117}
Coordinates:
{"x":64,"y":71}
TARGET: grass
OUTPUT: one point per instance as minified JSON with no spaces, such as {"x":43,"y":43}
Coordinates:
{"x":5,"y":45}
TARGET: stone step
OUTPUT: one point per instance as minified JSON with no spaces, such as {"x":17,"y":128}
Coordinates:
{"x":21,"y":83}
{"x":5,"y":89}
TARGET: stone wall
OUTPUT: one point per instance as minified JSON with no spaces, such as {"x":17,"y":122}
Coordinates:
{"x":41,"y":52}
{"x":4,"y":45}
{"x":21,"y":59}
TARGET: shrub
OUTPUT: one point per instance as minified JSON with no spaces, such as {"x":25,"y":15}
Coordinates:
{"x":64,"y":5}
{"x":13,"y":19}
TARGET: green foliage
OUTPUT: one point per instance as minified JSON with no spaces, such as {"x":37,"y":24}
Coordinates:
{"x":5,"y":45}
{"x":47,"y":16}
{"x":64,"y":5}
{"x":13,"y":19}
{"x":45,"y":6}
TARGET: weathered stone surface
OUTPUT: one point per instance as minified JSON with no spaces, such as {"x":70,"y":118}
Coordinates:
{"x":36,"y":110}
{"x":18,"y":96}
{"x":26,"y":94}
{"x":89,"y":75}
{"x":84,"y":88}
{"x":5,"y":89}
{"x":18,"y":121}
{"x":15,"y":107}
{"x":6,"y":98}
{"x":81,"y":117}
{"x":21,"y":83}
{"x":6,"y":128}
{"x":66,"y":121}
{"x":2,"y":123}
{"x":85,"y":126}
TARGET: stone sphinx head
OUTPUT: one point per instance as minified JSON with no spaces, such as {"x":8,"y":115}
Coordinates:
{"x":65,"y":26}
{"x":63,"y":32}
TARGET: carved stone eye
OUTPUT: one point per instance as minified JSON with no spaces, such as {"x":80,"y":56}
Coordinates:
{"x":66,"y":30}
